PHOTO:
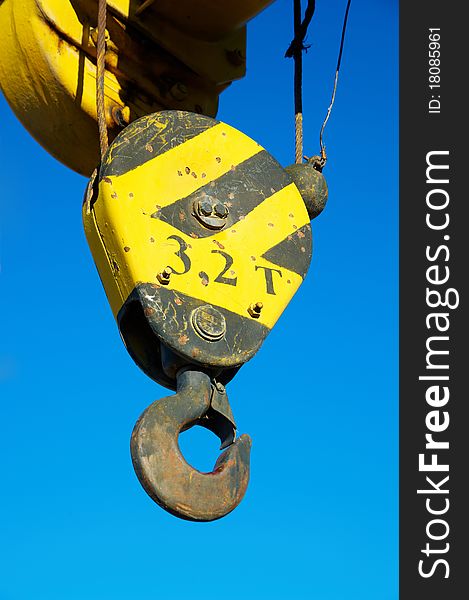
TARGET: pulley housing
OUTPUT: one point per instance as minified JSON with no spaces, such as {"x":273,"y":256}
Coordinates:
{"x":159,"y":55}
{"x":200,"y":238}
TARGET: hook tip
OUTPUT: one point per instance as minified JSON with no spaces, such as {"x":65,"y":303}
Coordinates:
{"x":164,"y":473}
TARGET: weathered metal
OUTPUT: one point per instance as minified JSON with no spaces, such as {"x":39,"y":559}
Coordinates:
{"x":201,"y":239}
{"x":188,"y":285}
{"x":174,"y":55}
{"x":161,"y":468}
{"x":312,"y":186}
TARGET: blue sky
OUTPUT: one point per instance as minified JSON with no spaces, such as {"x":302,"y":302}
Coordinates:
{"x":319,"y":520}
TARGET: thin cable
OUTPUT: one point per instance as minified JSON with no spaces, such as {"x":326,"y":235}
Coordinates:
{"x":295,"y":50}
{"x":100,"y":68}
{"x":298,"y":83}
{"x":336,"y":78}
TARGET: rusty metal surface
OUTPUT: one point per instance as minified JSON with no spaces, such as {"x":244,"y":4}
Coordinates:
{"x":312,"y":186}
{"x":201,"y":239}
{"x":204,"y":334}
{"x":161,"y":468}
{"x":178,"y":55}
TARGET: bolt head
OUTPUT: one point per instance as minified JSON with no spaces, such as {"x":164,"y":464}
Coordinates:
{"x":220,"y":210}
{"x":205,"y":207}
{"x":255,"y":309}
{"x":209,"y":323}
{"x":164,"y":275}
{"x":210,"y":211}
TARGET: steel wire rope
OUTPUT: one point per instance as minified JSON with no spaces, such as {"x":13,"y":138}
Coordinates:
{"x":295,"y":51}
{"x":336,"y":78}
{"x":100,"y":68}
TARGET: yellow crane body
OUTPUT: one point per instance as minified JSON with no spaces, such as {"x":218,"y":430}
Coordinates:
{"x":202,"y":228}
{"x":159,"y":55}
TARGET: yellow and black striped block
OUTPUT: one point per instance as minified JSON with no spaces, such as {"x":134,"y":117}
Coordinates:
{"x":208,"y":285}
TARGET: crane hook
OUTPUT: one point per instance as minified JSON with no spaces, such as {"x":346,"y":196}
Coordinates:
{"x":160,"y":466}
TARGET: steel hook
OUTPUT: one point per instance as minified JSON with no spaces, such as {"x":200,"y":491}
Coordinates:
{"x":160,"y":466}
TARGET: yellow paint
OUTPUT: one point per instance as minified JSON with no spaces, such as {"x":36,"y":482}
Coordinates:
{"x":48,"y":73}
{"x":102,"y":258}
{"x":121,"y":223}
{"x":167,"y":172}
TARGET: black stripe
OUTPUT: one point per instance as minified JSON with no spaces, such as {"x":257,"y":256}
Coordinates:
{"x":168,"y":313}
{"x":241,"y":189}
{"x":294,"y":252}
{"x":151,"y":136}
